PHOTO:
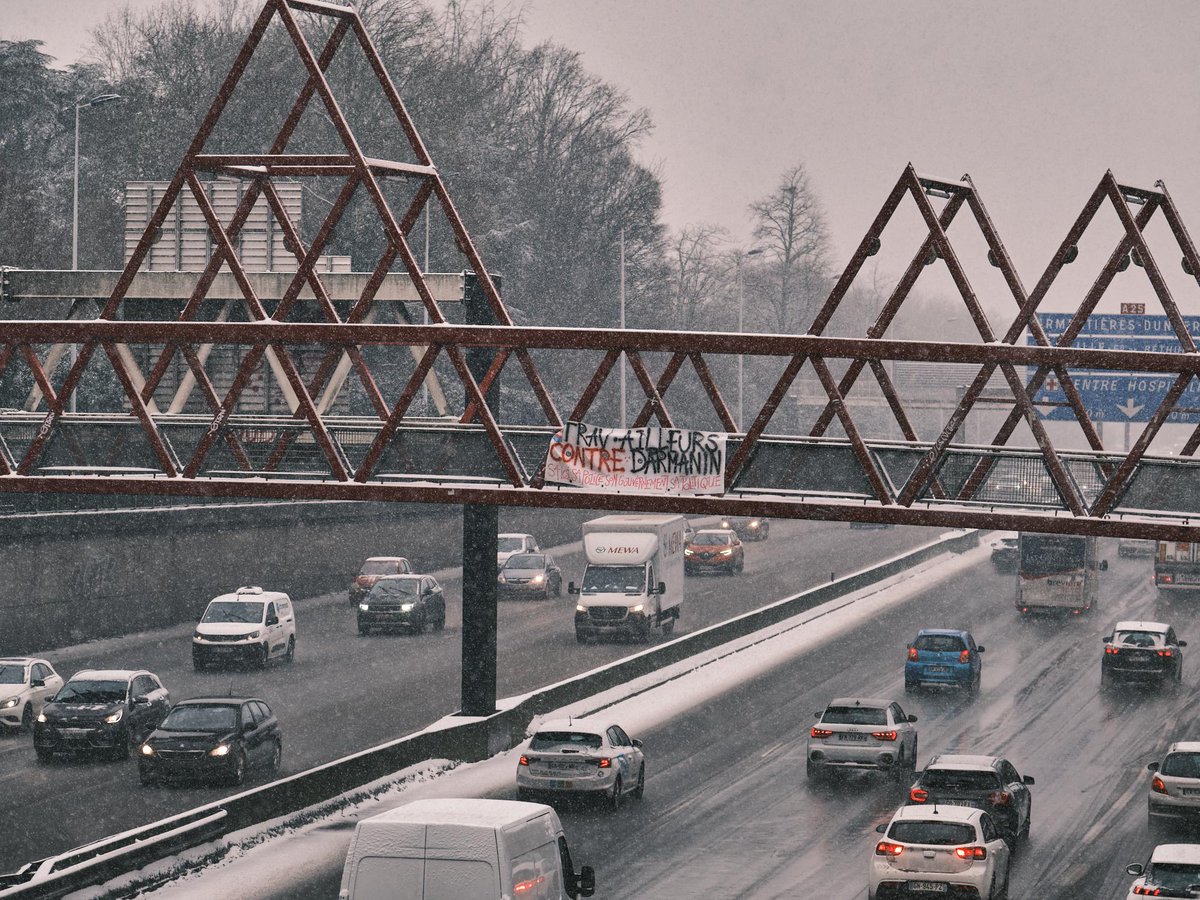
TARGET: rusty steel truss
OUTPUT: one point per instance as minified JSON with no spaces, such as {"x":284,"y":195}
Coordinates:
{"x":480,"y":458}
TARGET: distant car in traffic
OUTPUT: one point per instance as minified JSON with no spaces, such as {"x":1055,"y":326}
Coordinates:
{"x":1142,"y":651}
{"x":990,"y":783}
{"x":108,"y":710}
{"x":748,"y":528}
{"x":862,"y":733}
{"x":1174,"y":796}
{"x":714,"y":550}
{"x":950,"y":851}
{"x":590,"y":756}
{"x":249,"y":626}
{"x":1173,"y":870}
{"x":26,"y":683}
{"x":212,"y":739}
{"x":372,"y":570}
{"x":530,"y":575}
{"x":508,"y":544}
{"x":1136,"y":547}
{"x":1005,"y":553}
{"x":407,"y":602}
{"x":943,"y":656}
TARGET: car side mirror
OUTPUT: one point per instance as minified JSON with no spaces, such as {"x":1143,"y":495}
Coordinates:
{"x":979,"y":649}
{"x":1104,"y":565}
{"x":882,"y":829}
{"x":571,"y":589}
{"x":1107,"y":639}
{"x":1134,"y":869}
{"x":585,"y":882}
{"x":140,"y":701}
{"x":662,"y":589}
{"x":912,"y":718}
{"x":637,"y":743}
{"x":1181,"y":644}
{"x":1153,"y":767}
{"x":1028,"y":779}
{"x":41,"y":682}
{"x":272,"y":620}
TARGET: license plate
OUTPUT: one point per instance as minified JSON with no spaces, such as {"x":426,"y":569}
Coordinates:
{"x":937,"y":670}
{"x":562,"y":785}
{"x":939,"y":886}
{"x":852,"y":737}
{"x":1190,"y":792}
{"x":222,"y":649}
{"x":74,"y":732}
{"x":958,"y":802}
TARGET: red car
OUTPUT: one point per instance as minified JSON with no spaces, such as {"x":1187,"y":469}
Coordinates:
{"x":374,"y":569}
{"x":714,"y":550}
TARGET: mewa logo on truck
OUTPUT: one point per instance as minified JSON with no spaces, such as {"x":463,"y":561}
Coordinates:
{"x":633,"y":581}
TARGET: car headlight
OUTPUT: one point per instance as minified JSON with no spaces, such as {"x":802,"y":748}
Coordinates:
{"x":10,"y":703}
{"x":538,"y":579}
{"x":147,"y":750}
{"x":407,"y":607}
{"x":502,"y":579}
{"x":688,"y":551}
{"x":219,"y":750}
{"x":580,"y":608}
{"x":728,"y":551}
{"x":115,"y":717}
{"x":724,"y":524}
{"x":754,"y":524}
{"x":364,"y":606}
{"x":254,"y":635}
{"x":197,"y":636}
{"x":638,"y":608}
{"x":41,"y":717}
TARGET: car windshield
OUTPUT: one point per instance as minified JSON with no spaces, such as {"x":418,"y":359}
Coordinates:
{"x":940,"y":643}
{"x":712,"y":538}
{"x":11,"y":674}
{"x":1139,"y":638}
{"x":233,"y":611}
{"x":1174,"y":876}
{"x":526,"y":561}
{"x":1181,"y":765}
{"x":221,"y":717}
{"x":1044,"y":554}
{"x":509,"y":545}
{"x":92,"y":692}
{"x":614,"y":579}
{"x":854,"y":715}
{"x":938,"y":833}
{"x":558,"y":740}
{"x":380,"y":567}
{"x":400,"y":587}
{"x":952,"y":780}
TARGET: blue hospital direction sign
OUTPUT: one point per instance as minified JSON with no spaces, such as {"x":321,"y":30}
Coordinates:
{"x":1119,"y":396}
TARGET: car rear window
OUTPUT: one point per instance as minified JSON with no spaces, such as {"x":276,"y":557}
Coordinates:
{"x":938,"y":833}
{"x":854,"y":715}
{"x":1139,"y":638}
{"x":1181,"y":765}
{"x":557,"y":740}
{"x":1174,"y":877}
{"x":951,"y":780}
{"x":940,"y":643}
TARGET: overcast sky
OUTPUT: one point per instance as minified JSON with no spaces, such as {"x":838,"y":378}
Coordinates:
{"x":1034,"y":99}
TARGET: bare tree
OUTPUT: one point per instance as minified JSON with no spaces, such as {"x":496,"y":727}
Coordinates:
{"x":789,"y":225}
{"x":699,"y":271}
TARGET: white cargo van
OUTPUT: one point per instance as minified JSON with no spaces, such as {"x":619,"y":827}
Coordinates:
{"x":463,"y":850}
{"x":634,"y":576}
{"x":250,"y":625}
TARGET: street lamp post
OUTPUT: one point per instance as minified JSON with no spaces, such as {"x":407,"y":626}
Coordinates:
{"x":624,"y":420}
{"x":95,"y":101}
{"x":741,"y":312}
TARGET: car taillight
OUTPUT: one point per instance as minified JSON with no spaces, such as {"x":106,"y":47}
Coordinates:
{"x":887,"y":848}
{"x":604,"y":762}
{"x":523,"y":761}
{"x":819,"y":732}
{"x":965,"y":656}
{"x":971,"y":852}
{"x":1146,"y":889}
{"x":1165,"y":579}
{"x":1110,"y":650}
{"x":918,"y":795}
{"x":1165,"y":653}
{"x":999,"y":798}
{"x":884,"y":735}
{"x":1158,"y":785}
{"x":912,"y":653}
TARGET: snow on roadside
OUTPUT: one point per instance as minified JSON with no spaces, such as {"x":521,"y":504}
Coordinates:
{"x":250,"y":861}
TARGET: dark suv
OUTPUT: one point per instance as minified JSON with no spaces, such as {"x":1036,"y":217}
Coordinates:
{"x":989,"y":783}
{"x":212,"y":738}
{"x":1142,"y":651}
{"x":101,"y":709}
{"x":403,"y":601}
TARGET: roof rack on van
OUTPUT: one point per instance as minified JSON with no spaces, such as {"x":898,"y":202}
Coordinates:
{"x":250,"y":589}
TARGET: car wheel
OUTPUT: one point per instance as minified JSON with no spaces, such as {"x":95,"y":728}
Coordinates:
{"x":910,"y":687}
{"x":668,"y":627}
{"x":640,"y":790}
{"x":264,"y":653}
{"x":290,"y":657}
{"x":617,"y":796}
{"x":912,"y":762}
{"x":973,"y":683}
{"x":27,"y":717}
{"x":580,"y":637}
{"x":125,"y":748}
{"x":198,"y":664}
{"x":277,"y":756}
{"x":558,"y":588}
{"x":814,"y":771}
{"x":237,"y":774}
{"x":1105,"y":678}
{"x":741,"y":566}
{"x":1024,"y":835}
{"x":44,"y":755}
{"x":440,"y":622}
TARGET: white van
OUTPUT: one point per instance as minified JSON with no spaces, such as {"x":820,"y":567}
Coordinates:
{"x":463,"y":850}
{"x":250,"y":626}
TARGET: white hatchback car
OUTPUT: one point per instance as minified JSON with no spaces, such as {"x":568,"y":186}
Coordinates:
{"x":250,"y":626}
{"x":1175,"y":788}
{"x":582,"y":756}
{"x":1173,"y":871}
{"x":26,"y":684}
{"x":511,"y":543}
{"x":862,"y":733}
{"x":939,"y":849}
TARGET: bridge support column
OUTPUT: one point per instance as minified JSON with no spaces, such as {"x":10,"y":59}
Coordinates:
{"x":480,"y":526}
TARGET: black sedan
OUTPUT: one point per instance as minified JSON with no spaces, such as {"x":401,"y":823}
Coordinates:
{"x":1142,"y":651}
{"x":212,"y":739}
{"x":530,"y":575}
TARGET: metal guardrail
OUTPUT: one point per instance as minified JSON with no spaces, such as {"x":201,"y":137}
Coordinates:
{"x":474,"y":740}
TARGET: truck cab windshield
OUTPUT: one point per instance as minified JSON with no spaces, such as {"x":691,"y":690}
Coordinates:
{"x":614,"y":580}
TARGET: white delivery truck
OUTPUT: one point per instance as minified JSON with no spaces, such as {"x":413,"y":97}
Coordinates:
{"x":634,"y":576}
{"x":463,"y":849}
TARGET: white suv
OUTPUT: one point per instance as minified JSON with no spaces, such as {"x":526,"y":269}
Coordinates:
{"x":862,"y":733}
{"x":250,"y":625}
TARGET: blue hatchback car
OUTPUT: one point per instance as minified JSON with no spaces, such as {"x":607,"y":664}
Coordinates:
{"x":943,"y":656}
